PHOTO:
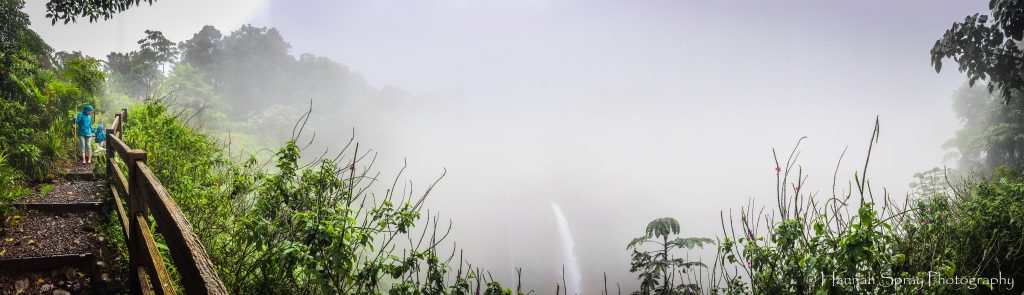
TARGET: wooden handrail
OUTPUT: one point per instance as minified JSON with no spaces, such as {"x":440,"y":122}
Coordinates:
{"x":146,"y":196}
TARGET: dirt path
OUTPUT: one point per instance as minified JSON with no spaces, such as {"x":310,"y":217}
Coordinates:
{"x":58,"y":249}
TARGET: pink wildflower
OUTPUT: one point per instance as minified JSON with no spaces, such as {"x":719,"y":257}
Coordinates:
{"x":925,"y":222}
{"x":750,"y":235}
{"x":777,"y":169}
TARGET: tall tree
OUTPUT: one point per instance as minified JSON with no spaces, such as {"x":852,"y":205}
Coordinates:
{"x":204,"y":52}
{"x":138,"y":73}
{"x":192,"y":92}
{"x":257,"y":69}
{"x":203,"y":49}
{"x":84,"y":72}
{"x":135,"y":73}
{"x":22,"y":52}
{"x":164,"y":51}
{"x":988,"y":48}
{"x":16,"y":39}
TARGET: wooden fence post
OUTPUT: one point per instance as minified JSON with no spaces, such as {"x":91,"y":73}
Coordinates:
{"x":124,"y":119}
{"x":136,"y":204}
{"x":110,"y":154}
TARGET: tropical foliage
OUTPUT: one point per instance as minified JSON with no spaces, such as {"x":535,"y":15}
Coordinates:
{"x":300,"y":227}
{"x":943,"y":239}
{"x":988,"y":49}
{"x":239,"y":81}
{"x":293,"y":223}
{"x":39,"y":94}
{"x":661,"y":272}
{"x":70,"y":10}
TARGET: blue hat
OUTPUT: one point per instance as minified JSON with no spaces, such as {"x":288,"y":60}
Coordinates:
{"x":87,"y":108}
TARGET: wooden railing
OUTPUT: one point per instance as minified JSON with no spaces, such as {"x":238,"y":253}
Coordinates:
{"x":147,"y":197}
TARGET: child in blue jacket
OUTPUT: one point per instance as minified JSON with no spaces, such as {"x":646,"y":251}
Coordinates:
{"x":83,"y":123}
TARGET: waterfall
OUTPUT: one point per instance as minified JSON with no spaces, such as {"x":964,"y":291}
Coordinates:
{"x":572,"y":266}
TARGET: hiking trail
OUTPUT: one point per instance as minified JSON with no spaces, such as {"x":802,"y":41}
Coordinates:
{"x":53,"y":244}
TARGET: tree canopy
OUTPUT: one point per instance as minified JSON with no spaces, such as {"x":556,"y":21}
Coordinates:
{"x":94,"y":10}
{"x":15,"y":36}
{"x":988,"y":48}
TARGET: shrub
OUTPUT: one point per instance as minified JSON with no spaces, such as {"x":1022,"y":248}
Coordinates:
{"x":12,"y":188}
{"x":977,"y":231}
{"x":36,"y":113}
{"x":300,"y":227}
{"x":919,"y":246}
{"x":815,"y":246}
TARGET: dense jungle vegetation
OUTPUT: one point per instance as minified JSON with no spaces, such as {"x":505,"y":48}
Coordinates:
{"x":41,"y":91}
{"x":295,"y":223}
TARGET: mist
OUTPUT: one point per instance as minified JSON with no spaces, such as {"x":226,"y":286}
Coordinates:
{"x":618,"y":112}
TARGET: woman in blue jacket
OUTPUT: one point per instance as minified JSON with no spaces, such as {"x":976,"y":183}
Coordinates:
{"x":84,"y":126}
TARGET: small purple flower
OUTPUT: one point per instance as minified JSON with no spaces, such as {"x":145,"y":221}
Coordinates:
{"x":777,"y":170}
{"x":925,"y":222}
{"x":750,"y":235}
{"x":351,"y":167}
